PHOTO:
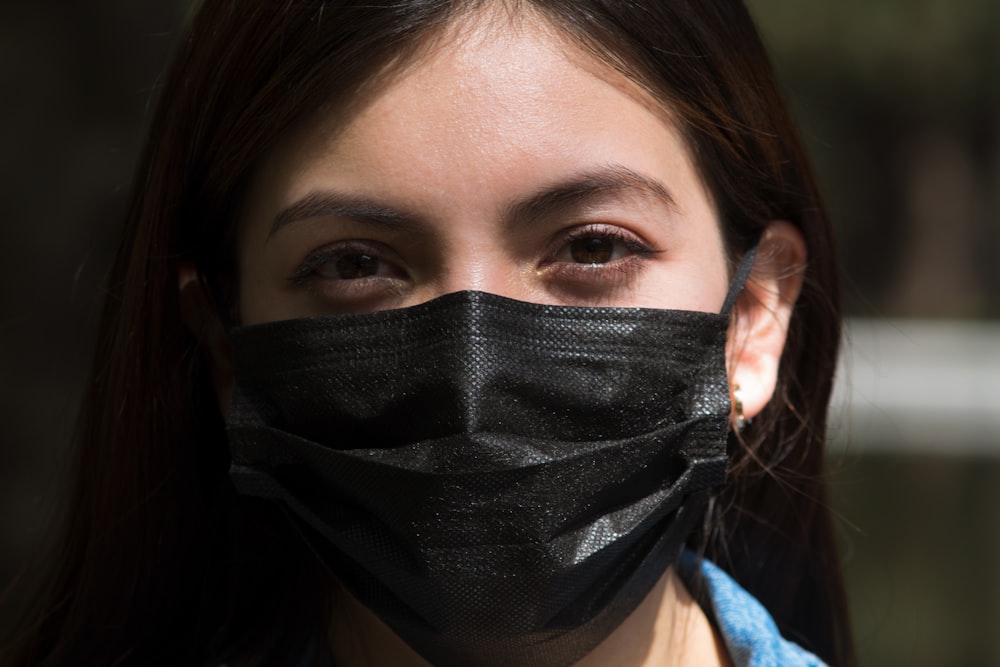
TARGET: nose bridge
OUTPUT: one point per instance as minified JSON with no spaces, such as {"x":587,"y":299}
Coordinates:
{"x":474,"y":270}
{"x":476,"y":256}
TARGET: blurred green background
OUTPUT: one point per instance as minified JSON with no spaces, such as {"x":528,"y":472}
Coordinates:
{"x":899,"y":101}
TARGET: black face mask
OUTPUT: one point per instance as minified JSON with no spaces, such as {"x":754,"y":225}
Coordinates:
{"x":501,"y":482}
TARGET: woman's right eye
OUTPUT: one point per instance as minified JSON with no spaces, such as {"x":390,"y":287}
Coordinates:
{"x":346,"y":261}
{"x":350,"y":266}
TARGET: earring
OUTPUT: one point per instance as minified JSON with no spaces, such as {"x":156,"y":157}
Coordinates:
{"x":740,"y":422}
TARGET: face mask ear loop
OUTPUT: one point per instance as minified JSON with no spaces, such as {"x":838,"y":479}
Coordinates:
{"x":742,"y":274}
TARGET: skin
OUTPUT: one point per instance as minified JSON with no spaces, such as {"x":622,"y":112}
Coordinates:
{"x":436,"y":183}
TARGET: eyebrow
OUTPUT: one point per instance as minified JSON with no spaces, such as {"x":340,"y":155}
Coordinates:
{"x":605,"y":182}
{"x":361,"y":209}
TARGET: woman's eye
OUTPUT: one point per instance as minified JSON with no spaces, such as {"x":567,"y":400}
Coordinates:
{"x":600,"y":245}
{"x":593,"y":261}
{"x":350,"y":267}
{"x":347,"y":262}
{"x":592,"y":250}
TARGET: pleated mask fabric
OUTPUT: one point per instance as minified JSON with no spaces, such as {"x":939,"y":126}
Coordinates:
{"x":500,"y":482}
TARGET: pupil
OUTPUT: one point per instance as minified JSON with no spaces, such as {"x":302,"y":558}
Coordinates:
{"x":593,"y":250}
{"x":356,"y":266}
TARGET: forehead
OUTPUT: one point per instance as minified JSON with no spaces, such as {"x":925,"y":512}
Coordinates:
{"x":498,"y":98}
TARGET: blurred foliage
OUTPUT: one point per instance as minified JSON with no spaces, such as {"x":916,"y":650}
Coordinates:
{"x":899,"y":101}
{"x":927,"y":52}
{"x":924,"y":586}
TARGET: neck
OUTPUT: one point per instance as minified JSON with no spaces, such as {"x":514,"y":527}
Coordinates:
{"x":667,"y":628}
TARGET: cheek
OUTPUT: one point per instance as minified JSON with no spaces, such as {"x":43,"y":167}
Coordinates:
{"x":695,"y":275}
{"x":262,"y":293}
{"x":263,"y":298}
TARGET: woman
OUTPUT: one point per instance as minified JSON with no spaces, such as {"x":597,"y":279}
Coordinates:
{"x":421,"y":342}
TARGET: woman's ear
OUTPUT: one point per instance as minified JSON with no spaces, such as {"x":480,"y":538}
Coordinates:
{"x":200,"y":316}
{"x":763,"y":312}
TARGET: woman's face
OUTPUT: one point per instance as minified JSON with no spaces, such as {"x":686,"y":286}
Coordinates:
{"x":504,"y":161}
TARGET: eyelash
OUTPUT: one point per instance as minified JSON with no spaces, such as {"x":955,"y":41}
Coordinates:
{"x":308,"y":270}
{"x":640,"y":250}
{"x":307,"y":273}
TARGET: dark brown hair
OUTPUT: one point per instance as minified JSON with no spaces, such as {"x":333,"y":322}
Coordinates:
{"x":160,"y":562}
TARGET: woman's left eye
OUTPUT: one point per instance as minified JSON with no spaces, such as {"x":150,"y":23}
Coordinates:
{"x":601,"y":245}
{"x":594,"y":250}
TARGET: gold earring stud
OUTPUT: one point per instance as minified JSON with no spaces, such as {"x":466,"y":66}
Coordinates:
{"x":740,"y":421}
